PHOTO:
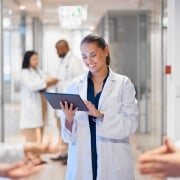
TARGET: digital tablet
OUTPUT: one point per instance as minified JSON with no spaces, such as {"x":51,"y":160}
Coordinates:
{"x":55,"y":98}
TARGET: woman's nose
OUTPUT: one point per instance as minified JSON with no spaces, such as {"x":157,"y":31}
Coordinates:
{"x":89,"y":59}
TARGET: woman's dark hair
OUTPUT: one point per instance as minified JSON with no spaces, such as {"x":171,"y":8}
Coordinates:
{"x":27,"y":57}
{"x":93,"y":38}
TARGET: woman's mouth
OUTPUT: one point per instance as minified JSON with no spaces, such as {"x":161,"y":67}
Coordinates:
{"x":92,"y":65}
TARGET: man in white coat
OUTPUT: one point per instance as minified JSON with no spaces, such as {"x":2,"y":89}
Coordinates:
{"x":69,"y":67}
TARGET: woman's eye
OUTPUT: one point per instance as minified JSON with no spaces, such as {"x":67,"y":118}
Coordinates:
{"x":93,"y":55}
{"x":84,"y":57}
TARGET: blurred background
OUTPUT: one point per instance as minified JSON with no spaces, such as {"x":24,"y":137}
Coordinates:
{"x":136,"y":31}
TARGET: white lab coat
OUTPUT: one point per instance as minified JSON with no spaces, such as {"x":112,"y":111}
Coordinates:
{"x":11,"y":153}
{"x":118,"y":104}
{"x":31,"y":106}
{"x":69,"y":68}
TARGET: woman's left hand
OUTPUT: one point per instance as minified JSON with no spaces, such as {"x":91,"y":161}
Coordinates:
{"x":92,"y":109}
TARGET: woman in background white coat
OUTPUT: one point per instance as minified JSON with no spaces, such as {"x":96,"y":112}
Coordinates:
{"x":98,"y":140}
{"x":33,"y":81}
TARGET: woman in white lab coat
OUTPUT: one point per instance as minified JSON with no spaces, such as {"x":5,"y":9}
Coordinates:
{"x":33,"y":81}
{"x":98,"y":140}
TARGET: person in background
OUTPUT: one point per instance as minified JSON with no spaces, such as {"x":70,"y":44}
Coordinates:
{"x":98,"y":139}
{"x":161,"y":162}
{"x":33,"y":81}
{"x":14,"y":162}
{"x":70,"y":66}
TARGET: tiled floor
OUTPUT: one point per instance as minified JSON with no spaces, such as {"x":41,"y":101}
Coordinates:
{"x":55,"y":170}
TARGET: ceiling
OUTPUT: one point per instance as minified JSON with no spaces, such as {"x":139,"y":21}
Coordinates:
{"x":48,"y":10}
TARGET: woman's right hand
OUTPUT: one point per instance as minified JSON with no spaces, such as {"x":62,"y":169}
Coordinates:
{"x":51,"y":81}
{"x":69,"y":113}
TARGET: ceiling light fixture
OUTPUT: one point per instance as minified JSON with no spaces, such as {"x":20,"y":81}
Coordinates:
{"x":22,"y":7}
{"x":39,"y":3}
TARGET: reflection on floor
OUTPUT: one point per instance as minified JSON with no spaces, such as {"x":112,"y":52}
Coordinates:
{"x":56,"y":170}
{"x":52,"y":171}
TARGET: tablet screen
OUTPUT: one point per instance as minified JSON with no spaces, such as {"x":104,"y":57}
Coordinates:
{"x":55,"y":98}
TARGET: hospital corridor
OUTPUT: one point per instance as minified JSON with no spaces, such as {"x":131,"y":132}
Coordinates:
{"x":122,"y":59}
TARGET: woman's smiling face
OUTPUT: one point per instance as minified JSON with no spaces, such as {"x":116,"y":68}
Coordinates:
{"x":93,"y":56}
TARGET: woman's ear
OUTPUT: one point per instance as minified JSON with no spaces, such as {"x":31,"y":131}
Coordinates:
{"x":106,"y":51}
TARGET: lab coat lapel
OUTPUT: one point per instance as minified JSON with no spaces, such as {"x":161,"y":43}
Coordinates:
{"x":83,"y":94}
{"x":83,"y":87}
{"x":108,"y":87}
